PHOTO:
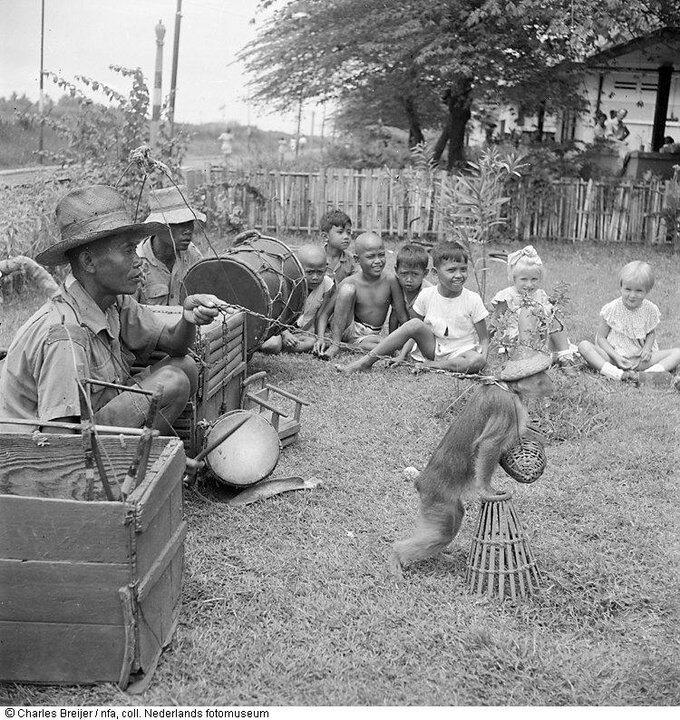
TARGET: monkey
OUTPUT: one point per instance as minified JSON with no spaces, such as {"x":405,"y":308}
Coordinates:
{"x":492,"y":421}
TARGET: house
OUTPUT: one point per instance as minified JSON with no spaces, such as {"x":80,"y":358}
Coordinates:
{"x":641,"y":76}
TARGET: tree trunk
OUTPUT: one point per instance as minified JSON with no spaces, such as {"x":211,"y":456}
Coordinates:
{"x":415,"y":132}
{"x":458,"y":101}
{"x":540,"y":121}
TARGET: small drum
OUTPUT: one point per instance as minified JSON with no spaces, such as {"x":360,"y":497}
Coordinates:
{"x":248,"y":455}
{"x":259,"y":273}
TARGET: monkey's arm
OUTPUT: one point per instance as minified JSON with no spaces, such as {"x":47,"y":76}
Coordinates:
{"x":500,"y":432}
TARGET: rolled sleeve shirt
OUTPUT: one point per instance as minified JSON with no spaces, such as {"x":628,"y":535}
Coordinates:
{"x":69,"y":339}
{"x":161,"y":286}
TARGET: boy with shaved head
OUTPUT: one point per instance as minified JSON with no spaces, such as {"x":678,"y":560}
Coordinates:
{"x":319,"y":287}
{"x":363,"y":300}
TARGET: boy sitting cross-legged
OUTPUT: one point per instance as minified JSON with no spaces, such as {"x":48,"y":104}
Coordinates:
{"x":449,"y":328}
{"x":319,"y":288}
{"x":411,"y":269}
{"x":363,"y":300}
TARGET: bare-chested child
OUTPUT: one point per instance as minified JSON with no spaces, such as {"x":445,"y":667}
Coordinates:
{"x":363,"y":300}
{"x":449,"y":328}
{"x":319,"y":288}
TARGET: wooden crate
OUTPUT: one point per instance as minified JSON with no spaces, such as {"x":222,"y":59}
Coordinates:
{"x":220,"y":351}
{"x":89,"y":591}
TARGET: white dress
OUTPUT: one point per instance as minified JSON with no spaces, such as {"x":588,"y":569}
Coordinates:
{"x":629,"y":328}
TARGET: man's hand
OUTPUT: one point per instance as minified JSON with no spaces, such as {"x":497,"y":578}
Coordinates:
{"x":202,"y":309}
{"x":288,"y":340}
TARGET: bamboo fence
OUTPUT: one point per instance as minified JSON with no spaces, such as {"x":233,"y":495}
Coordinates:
{"x":402,"y":204}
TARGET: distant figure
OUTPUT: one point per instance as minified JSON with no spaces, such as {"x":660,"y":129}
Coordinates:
{"x":599,"y":129}
{"x":283,"y":149}
{"x":226,"y":138}
{"x":610,"y":125}
{"x":621,"y":131}
{"x":669,"y":146}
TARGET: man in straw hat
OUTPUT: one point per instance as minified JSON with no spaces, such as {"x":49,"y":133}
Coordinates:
{"x":94,"y":329}
{"x":169,"y":253}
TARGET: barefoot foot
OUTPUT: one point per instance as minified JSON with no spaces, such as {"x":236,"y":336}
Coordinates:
{"x":356,"y":366}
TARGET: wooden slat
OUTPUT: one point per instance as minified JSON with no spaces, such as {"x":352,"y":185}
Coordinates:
{"x":61,"y":592}
{"x":52,"y":466}
{"x":161,"y":479}
{"x":51,"y":653}
{"x":42,"y":529}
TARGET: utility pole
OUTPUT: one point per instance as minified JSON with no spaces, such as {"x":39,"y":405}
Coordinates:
{"x":175,"y":55}
{"x":157,"y":86}
{"x":41,"y":101}
{"x":297,"y":133}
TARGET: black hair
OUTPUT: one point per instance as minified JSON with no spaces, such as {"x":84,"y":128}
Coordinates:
{"x":449,"y":250}
{"x":333,"y":218}
{"x":413,"y":255}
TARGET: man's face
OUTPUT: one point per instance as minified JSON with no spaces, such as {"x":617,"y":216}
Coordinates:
{"x":116,"y":265}
{"x":178,"y":236}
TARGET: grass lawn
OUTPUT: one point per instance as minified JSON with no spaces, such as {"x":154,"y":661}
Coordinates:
{"x":288,"y":601}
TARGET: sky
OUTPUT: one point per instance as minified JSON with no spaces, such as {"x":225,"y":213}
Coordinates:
{"x":86,"y":36}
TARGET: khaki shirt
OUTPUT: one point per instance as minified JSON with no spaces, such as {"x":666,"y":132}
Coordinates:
{"x":160,"y":286}
{"x":69,"y":338}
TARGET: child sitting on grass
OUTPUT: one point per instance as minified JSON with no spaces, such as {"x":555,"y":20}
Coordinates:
{"x":449,"y":328}
{"x":319,"y":287}
{"x":625,"y":343}
{"x":336,"y":233}
{"x":411,"y":269}
{"x":363,"y":300}
{"x":523,"y":312}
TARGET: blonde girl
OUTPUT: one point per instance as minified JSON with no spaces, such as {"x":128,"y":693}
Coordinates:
{"x":525,"y":306}
{"x":625,"y":343}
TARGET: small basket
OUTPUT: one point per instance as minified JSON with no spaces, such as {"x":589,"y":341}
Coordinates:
{"x":524,"y":462}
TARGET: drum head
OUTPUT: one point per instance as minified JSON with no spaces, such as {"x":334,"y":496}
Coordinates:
{"x":237,"y":284}
{"x":249,"y":454}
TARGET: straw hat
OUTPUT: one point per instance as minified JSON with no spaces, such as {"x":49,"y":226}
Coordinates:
{"x":524,"y":363}
{"x":169,"y":207}
{"x":87,"y":214}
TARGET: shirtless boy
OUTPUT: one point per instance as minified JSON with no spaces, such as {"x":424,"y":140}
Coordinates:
{"x":364,"y":298}
{"x":449,"y":328}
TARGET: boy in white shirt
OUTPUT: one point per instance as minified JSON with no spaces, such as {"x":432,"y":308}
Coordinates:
{"x":449,"y":326}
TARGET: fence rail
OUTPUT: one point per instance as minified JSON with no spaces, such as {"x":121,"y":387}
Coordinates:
{"x":403,"y":206}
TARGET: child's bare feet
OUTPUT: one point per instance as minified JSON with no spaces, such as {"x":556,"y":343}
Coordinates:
{"x":630,"y":376}
{"x":360,"y":365}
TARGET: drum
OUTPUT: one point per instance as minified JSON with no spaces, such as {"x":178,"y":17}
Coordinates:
{"x":248,"y":455}
{"x":258,"y":273}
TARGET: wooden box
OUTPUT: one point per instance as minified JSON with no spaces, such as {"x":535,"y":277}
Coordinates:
{"x":220,"y":352}
{"x":89,"y":591}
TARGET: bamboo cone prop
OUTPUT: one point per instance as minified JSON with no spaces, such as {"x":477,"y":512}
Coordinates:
{"x":500,"y":562}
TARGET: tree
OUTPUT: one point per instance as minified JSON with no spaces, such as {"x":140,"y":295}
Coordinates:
{"x":459,"y":51}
